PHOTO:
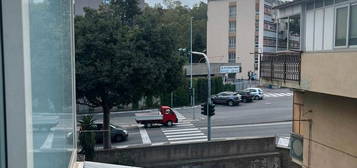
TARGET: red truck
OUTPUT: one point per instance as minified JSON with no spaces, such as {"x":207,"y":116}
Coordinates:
{"x":166,"y":117}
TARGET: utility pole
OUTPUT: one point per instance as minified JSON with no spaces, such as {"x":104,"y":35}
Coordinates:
{"x":208,"y":95}
{"x":191,"y":87}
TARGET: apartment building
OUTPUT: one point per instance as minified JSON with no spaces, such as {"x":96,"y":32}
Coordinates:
{"x":316,"y":57}
{"x":240,"y":31}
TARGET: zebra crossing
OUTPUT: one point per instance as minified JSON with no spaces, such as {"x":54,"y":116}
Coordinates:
{"x":183,"y":132}
{"x":277,"y":94}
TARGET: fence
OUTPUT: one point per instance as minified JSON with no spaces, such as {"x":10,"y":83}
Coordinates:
{"x":281,"y":66}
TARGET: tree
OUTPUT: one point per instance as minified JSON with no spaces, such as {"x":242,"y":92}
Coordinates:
{"x":122,"y":56}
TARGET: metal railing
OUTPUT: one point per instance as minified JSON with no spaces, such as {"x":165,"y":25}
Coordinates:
{"x":281,"y":66}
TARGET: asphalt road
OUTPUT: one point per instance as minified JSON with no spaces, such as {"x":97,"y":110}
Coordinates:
{"x":268,"y":117}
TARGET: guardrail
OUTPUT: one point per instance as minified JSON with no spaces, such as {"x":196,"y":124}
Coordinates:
{"x":281,"y":66}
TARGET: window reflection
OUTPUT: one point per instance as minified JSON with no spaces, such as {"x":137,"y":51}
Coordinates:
{"x":2,"y":114}
{"x":283,"y":34}
{"x":294,"y":32}
{"x":289,"y":33}
{"x":51,"y":77}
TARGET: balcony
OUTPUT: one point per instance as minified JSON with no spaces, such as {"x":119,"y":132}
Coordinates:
{"x":283,"y":68}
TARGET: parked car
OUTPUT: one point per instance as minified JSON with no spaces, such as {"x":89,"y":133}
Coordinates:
{"x":257,"y":93}
{"x":246,"y":96}
{"x":229,"y":98}
{"x":118,"y":134}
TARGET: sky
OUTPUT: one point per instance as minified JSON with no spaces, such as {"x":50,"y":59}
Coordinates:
{"x":184,"y":2}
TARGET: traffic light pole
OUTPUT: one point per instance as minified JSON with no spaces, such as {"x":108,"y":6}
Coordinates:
{"x":208,"y":95}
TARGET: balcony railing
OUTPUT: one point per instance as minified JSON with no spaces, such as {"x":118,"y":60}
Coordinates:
{"x":281,"y":66}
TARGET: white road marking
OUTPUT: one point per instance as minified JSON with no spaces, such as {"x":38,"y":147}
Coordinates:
{"x":185,"y":138}
{"x":158,"y":143}
{"x":177,"y":130}
{"x":184,"y":135}
{"x":188,"y":141}
{"x":187,"y":132}
{"x":250,"y":125}
{"x":48,"y":142}
{"x":144,"y":136}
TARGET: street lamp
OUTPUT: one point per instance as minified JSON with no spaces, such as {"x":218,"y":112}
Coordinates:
{"x":209,"y":93}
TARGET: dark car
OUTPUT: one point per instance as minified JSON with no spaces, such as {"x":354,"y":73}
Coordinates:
{"x":229,"y":98}
{"x":118,"y":134}
{"x":246,"y":96}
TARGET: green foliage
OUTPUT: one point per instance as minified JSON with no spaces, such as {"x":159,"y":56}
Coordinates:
{"x":181,"y":95}
{"x":87,"y":137}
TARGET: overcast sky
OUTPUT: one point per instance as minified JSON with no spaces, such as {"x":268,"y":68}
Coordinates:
{"x":185,"y":2}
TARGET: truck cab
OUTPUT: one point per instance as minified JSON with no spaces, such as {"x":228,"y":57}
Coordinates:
{"x":169,"y":116}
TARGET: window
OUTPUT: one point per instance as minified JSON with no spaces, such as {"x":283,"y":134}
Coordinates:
{"x":2,"y":114}
{"x":232,"y":57}
{"x":283,"y":34}
{"x":52,"y":82}
{"x":232,"y":42}
{"x":319,"y":3}
{"x":353,"y":26}
{"x":341,"y":26}
{"x":328,"y":2}
{"x":338,"y":1}
{"x":232,"y":27}
{"x":232,"y":11}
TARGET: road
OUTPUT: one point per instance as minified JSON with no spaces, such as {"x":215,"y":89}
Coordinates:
{"x":268,"y":117}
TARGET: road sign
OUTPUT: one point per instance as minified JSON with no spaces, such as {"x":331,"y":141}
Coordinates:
{"x":229,"y":69}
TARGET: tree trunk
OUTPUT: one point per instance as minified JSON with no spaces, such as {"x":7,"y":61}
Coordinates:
{"x":106,"y":134}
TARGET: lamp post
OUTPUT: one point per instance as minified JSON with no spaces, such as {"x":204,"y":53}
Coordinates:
{"x":191,"y":89}
{"x":209,"y":93}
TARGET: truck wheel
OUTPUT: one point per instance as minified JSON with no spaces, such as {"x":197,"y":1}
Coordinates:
{"x":149,"y":125}
{"x":146,"y":125}
{"x":169,"y":123}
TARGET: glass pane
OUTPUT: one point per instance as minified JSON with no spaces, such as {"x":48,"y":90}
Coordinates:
{"x":2,"y":114}
{"x":283,"y":34}
{"x":328,"y":2}
{"x":232,"y":11}
{"x":338,"y":1}
{"x":319,"y":3}
{"x":310,"y":5}
{"x":51,"y":69}
{"x":341,"y":26}
{"x":294,"y":32}
{"x":353,"y":29}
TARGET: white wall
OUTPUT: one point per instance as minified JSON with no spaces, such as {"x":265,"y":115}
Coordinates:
{"x":217,"y":31}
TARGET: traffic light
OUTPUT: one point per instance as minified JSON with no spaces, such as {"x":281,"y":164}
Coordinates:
{"x":211,"y":109}
{"x":204,"y":109}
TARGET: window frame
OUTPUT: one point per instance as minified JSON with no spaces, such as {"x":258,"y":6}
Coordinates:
{"x":347,"y":27}
{"x":349,"y":23}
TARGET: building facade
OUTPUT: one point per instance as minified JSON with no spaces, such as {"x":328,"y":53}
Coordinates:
{"x":317,"y":58}
{"x":240,"y":31}
{"x":37,"y":107}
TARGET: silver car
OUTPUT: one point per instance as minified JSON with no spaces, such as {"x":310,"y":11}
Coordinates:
{"x":257,"y":93}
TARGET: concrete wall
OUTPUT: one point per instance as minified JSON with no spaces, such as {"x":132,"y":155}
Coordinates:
{"x":260,"y":152}
{"x":218,"y":35}
{"x":326,"y":72}
{"x":217,"y":31}
{"x":331,"y":73}
{"x":200,"y":69}
{"x":333,"y":130}
{"x":246,"y":35}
